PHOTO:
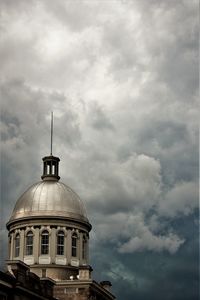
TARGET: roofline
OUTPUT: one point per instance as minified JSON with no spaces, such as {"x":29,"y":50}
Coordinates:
{"x":79,"y":221}
{"x":75,"y":283}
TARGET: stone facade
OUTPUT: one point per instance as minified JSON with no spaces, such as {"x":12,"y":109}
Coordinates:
{"x":20,"y":284}
{"x":85,"y":290}
{"x":83,"y":287}
{"x":52,"y":263}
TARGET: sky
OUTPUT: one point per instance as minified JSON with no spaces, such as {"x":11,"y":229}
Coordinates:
{"x":122,"y":80}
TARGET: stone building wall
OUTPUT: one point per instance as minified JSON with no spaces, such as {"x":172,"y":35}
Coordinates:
{"x":18,"y":283}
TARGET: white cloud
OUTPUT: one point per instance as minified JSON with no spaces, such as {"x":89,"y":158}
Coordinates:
{"x":148,"y":241}
{"x":182,"y":199}
{"x":132,"y":234}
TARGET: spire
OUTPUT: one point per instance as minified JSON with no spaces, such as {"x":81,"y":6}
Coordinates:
{"x":51,"y":163}
{"x":51,"y":132}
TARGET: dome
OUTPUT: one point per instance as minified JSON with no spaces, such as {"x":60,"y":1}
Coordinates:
{"x":49,"y":198}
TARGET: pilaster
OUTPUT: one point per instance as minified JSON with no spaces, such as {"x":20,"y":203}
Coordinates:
{"x":36,"y":245}
{"x":80,"y":248}
{"x":53,"y":245}
{"x":69,"y":245}
{"x":87,"y":251}
{"x":12,"y":246}
{"x":21,"y":250}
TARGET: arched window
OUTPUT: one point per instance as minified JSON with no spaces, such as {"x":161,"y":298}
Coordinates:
{"x":84,"y":245}
{"x":60,"y":243}
{"x":45,"y":242}
{"x":74,"y":244}
{"x":17,"y":244}
{"x":29,"y":243}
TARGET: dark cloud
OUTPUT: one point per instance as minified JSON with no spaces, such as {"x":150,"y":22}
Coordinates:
{"x":121,"y":78}
{"x":160,"y":275}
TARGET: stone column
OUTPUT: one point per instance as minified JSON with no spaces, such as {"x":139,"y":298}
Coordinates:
{"x":69,"y":245}
{"x":87,"y":251}
{"x":11,"y":246}
{"x":36,"y":245}
{"x":66,"y":245}
{"x":80,"y":248}
{"x":53,"y":245}
{"x":21,"y":250}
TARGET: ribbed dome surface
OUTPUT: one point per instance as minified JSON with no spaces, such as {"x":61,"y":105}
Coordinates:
{"x":49,"y":198}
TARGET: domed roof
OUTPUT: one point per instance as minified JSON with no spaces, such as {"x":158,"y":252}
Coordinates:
{"x":49,"y":198}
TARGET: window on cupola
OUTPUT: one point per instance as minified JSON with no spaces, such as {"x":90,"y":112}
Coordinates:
{"x":60,"y":243}
{"x":29,"y":243}
{"x":53,"y":169}
{"x":45,"y":242}
{"x":17,"y":244}
{"x":48,"y":169}
{"x":74,"y":244}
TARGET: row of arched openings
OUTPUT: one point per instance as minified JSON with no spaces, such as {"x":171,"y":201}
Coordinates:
{"x":29,"y":240}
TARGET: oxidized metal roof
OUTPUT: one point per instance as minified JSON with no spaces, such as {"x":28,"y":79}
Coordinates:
{"x":49,"y":198}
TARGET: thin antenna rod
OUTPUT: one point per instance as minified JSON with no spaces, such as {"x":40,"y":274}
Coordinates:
{"x":51,"y":131}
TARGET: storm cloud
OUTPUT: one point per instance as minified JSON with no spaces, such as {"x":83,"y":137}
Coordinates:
{"x":121,"y":78}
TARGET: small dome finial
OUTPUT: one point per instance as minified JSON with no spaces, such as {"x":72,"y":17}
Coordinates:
{"x":50,"y":168}
{"x":51,"y":163}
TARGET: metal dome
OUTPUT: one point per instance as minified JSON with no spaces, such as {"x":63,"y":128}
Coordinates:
{"x":49,"y":198}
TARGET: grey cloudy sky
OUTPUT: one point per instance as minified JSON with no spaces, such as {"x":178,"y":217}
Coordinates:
{"x":121,"y":78}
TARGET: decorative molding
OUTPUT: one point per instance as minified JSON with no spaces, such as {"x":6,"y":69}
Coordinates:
{"x":60,"y":260}
{"x":74,"y":262}
{"x":17,"y":231}
{"x":43,"y":228}
{"x":29,"y":229}
{"x":29,"y":259}
{"x":44,"y":260}
{"x":59,"y":228}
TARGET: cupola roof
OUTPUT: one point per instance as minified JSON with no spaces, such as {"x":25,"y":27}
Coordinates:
{"x":49,"y":198}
